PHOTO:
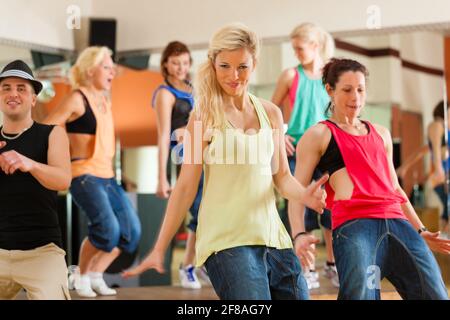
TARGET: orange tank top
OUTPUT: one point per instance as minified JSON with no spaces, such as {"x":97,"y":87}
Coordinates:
{"x":101,"y":163}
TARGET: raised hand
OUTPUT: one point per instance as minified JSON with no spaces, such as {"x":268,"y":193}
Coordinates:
{"x":314,"y":195}
{"x":11,"y":161}
{"x":154,"y":260}
{"x":305,"y":250}
{"x":288,"y":141}
{"x":163,"y":189}
{"x":435,"y":243}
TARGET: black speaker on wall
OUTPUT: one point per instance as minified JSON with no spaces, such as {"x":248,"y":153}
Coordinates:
{"x":41,"y":59}
{"x":136,"y":62}
{"x":102,"y":32}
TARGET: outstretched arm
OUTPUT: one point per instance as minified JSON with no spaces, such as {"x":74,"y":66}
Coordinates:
{"x":282,"y":88}
{"x":179,"y":202}
{"x":312,"y":195}
{"x":71,"y":108}
{"x":432,"y":238}
{"x":164,"y":102}
{"x":309,"y":151}
{"x":284,"y":83}
{"x":418,"y":155}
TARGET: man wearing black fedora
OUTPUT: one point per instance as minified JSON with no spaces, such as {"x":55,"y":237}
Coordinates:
{"x":34,"y":165}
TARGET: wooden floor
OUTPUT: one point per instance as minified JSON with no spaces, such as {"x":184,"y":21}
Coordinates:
{"x":178,"y":293}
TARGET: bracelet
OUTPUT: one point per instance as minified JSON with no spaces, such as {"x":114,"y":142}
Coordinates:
{"x":422,"y":230}
{"x":298,"y":235}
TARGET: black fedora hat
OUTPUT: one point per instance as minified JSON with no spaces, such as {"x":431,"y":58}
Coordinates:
{"x":20,"y":69}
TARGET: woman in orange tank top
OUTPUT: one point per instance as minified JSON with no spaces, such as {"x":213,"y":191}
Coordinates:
{"x":113,"y":222}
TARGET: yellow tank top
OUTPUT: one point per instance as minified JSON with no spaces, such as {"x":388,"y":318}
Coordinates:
{"x":101,"y":162}
{"x":238,"y":205}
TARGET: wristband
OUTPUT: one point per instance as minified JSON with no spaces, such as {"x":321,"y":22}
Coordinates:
{"x":298,"y":235}
{"x":422,"y":230}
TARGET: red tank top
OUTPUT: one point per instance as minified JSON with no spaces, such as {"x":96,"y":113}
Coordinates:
{"x":366,"y":162}
{"x":293,"y":89}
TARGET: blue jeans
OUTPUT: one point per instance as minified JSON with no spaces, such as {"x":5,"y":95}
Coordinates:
{"x":312,"y":218}
{"x":178,"y":149}
{"x":192,"y":225}
{"x":369,"y":250}
{"x":257,"y":273}
{"x":440,"y":190}
{"x":112,"y":220}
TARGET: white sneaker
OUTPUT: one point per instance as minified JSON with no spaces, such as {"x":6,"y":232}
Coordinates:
{"x":314,"y":275}
{"x":73,"y":280}
{"x":312,"y":280}
{"x":188,"y":278}
{"x":84,"y":288}
{"x":330,"y":272}
{"x":99,"y":285}
{"x":202,"y":275}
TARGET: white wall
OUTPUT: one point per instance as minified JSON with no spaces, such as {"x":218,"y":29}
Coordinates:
{"x":6,"y":52}
{"x":152,"y":23}
{"x":41,"y":22}
{"x":140,"y":165}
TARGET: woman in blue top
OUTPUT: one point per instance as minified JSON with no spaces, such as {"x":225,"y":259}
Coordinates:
{"x":308,"y":99}
{"x":173,"y":103}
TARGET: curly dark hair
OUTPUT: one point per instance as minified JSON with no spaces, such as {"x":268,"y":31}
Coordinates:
{"x":335,"y":68}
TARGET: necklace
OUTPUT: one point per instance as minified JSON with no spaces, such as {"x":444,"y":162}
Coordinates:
{"x":357,"y":126}
{"x":13,"y":137}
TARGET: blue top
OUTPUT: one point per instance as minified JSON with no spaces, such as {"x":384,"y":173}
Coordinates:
{"x":184,"y":103}
{"x":446,"y":162}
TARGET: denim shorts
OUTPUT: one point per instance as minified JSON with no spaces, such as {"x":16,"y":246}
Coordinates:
{"x":312,"y":218}
{"x":257,"y":273}
{"x":112,"y":220}
{"x":368,"y":250}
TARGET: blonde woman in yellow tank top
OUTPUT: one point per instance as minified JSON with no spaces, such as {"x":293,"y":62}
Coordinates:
{"x":113,"y":222}
{"x":238,"y":139}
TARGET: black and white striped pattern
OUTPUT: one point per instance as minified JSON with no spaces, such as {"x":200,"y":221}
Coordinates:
{"x":16,"y":73}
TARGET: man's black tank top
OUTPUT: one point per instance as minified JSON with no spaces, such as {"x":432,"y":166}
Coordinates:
{"x":28,"y":210}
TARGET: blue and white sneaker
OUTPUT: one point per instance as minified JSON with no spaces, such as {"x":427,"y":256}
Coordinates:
{"x":188,"y":278}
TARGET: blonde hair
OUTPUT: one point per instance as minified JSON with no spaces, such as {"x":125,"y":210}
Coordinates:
{"x":310,"y":32}
{"x":89,"y":58}
{"x":208,"y":93}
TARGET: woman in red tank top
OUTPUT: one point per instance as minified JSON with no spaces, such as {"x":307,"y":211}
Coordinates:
{"x":376,"y":232}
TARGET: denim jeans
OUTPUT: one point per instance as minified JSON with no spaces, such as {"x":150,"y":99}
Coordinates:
{"x":192,"y":225}
{"x":195,"y":207}
{"x":112,"y":220}
{"x":368,"y":250}
{"x":312,"y":218}
{"x":257,"y":273}
{"x":440,"y":190}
